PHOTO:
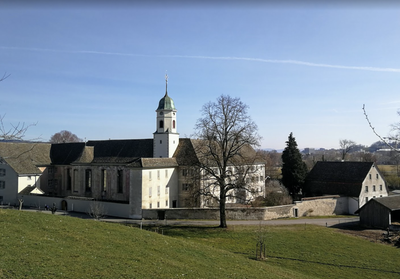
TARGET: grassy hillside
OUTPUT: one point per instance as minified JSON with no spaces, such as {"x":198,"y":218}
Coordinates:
{"x":313,"y":251}
{"x":37,"y":245}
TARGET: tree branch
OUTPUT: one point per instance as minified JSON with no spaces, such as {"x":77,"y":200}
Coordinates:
{"x":373,"y":130}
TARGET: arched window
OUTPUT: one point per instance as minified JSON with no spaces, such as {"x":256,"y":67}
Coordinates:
{"x":173,"y":124}
{"x":161,"y":124}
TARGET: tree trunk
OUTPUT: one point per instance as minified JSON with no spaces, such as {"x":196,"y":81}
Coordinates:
{"x":222,"y":214}
{"x":21,"y":201}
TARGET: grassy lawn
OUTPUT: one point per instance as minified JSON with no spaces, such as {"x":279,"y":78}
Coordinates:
{"x":310,"y":250}
{"x":38,"y":245}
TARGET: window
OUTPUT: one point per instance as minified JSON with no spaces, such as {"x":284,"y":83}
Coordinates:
{"x":160,"y":141}
{"x":1,"y":199}
{"x":2,"y":184}
{"x":166,"y":190}
{"x":366,"y":199}
{"x":149,"y":175}
{"x":184,"y":172}
{"x":120,"y":181}
{"x":88,"y":180}
{"x":150,"y":192}
{"x":373,"y":188}
{"x":377,"y":176}
{"x":166,"y":173}
{"x":50,"y":183}
{"x":158,"y":190}
{"x":185,"y":186}
{"x":173,"y":124}
{"x":161,"y":124}
{"x":76,"y":181}
{"x":370,"y":176}
{"x":158,"y":175}
{"x":166,"y":203}
{"x":150,"y":205}
{"x":2,"y":172}
{"x":366,"y":188}
{"x":104,"y":180}
{"x":380,"y":187}
{"x":158,"y":204}
{"x":69,"y":179}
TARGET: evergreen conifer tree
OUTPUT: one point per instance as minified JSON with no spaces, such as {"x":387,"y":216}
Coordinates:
{"x":294,"y":170}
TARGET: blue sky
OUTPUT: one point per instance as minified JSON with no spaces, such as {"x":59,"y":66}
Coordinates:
{"x":98,"y":70}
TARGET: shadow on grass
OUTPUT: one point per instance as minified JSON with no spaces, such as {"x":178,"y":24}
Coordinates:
{"x":352,"y":226}
{"x":334,"y":265}
{"x":181,"y":230}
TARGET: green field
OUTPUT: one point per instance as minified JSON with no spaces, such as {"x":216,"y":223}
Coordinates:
{"x":38,"y":245}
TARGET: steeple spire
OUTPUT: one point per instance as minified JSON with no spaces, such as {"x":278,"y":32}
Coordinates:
{"x":166,"y":84}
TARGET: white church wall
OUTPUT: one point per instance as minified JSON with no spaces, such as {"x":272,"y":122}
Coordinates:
{"x":159,"y":188}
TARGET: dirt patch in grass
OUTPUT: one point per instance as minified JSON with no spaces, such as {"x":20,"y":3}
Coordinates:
{"x":373,"y":235}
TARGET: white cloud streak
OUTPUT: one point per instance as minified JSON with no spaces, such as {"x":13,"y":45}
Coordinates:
{"x":295,"y":62}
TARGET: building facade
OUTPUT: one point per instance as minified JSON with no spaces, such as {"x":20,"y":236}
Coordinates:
{"x":361,"y":181}
{"x":19,"y":171}
{"x":155,"y":173}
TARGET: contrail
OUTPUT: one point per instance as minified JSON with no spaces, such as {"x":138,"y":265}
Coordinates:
{"x":295,"y":62}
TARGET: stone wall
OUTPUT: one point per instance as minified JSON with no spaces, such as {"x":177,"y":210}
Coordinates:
{"x":322,"y":206}
{"x":319,"y":206}
{"x":78,"y":205}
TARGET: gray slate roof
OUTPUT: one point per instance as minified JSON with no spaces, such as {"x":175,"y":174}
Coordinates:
{"x":133,"y":153}
{"x":390,"y":202}
{"x":191,"y":151}
{"x":121,"y":151}
{"x":24,"y":157}
{"x":101,"y":152}
{"x":336,"y":178}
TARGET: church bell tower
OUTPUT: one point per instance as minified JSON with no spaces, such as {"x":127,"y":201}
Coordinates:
{"x":166,"y":138}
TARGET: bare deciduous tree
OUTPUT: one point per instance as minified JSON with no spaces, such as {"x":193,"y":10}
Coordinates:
{"x":97,"y":210}
{"x":64,"y":137}
{"x":395,"y":130}
{"x":225,"y":150}
{"x":4,"y":76}
{"x":346,"y":146}
{"x":15,"y":132}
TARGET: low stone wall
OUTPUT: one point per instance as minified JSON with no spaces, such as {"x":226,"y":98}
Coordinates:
{"x":241,"y":213}
{"x":322,"y":206}
{"x":76,"y":205}
{"x":319,"y":206}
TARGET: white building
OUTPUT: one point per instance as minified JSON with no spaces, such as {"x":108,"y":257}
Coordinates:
{"x":360,"y":181}
{"x":19,"y":171}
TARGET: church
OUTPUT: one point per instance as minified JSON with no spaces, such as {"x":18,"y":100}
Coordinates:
{"x":152,"y":173}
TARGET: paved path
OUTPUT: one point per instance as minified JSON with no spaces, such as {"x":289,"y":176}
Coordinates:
{"x":328,"y":222}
